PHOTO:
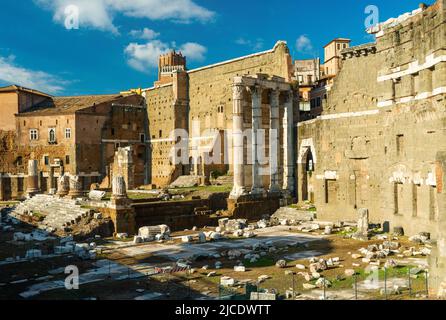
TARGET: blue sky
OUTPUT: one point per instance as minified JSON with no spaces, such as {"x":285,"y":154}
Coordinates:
{"x":117,"y":42}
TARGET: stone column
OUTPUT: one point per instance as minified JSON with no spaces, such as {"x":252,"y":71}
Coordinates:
{"x":75,"y":187}
{"x":121,"y":210}
{"x":63,"y":186}
{"x":274,"y":142}
{"x":33,"y":178}
{"x":363,"y":225}
{"x":288,"y":144}
{"x":256,"y":92}
{"x":237,"y":142}
{"x":119,"y":189}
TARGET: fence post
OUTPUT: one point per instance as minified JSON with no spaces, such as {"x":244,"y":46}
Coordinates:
{"x":426,"y":275}
{"x":410,"y":285}
{"x":385,"y":282}
{"x":325,"y":294}
{"x":356,"y":286}
{"x":294,"y":291}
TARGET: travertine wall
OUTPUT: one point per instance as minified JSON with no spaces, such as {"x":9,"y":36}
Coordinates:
{"x":376,"y":143}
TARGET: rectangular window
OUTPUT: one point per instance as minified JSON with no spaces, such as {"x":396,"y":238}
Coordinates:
{"x":46,"y":160}
{"x":161,"y":133}
{"x":400,"y":145}
{"x":142,"y":138}
{"x":33,"y":134}
{"x":67,"y":159}
{"x":415,"y":200}
{"x":68,"y":133}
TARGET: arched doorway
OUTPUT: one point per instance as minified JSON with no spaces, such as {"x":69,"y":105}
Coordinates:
{"x":307,"y":171}
{"x":191,"y":166}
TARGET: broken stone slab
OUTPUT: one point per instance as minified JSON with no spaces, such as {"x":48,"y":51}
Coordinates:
{"x":328,"y":230}
{"x":227,"y":281}
{"x":186,"y":239}
{"x":309,"y":286}
{"x":152,"y":231}
{"x":349,"y":272}
{"x":138,"y":240}
{"x":263,"y":296}
{"x":240,"y":269}
{"x":122,"y":235}
{"x":281,"y":264}
{"x":263,"y":278}
{"x":300,"y":266}
{"x":211,"y":274}
{"x":96,"y":195}
{"x":322,"y":282}
{"x":215,"y":236}
{"x":249,"y":234}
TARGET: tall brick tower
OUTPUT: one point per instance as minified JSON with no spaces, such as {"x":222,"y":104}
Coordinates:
{"x":168,"y":64}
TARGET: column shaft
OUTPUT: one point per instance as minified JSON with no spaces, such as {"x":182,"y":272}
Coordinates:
{"x":274,"y":142}
{"x":237,"y":144}
{"x":256,"y":92}
{"x":288,"y":143}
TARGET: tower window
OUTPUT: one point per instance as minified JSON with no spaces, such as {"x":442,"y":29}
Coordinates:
{"x":33,"y":134}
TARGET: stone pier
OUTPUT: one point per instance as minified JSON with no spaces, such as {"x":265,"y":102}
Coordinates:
{"x":33,"y":178}
{"x":63,"y":187}
{"x":76,"y":189}
{"x":120,"y":210}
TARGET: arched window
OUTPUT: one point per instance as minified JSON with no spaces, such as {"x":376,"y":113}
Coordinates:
{"x":52,"y":135}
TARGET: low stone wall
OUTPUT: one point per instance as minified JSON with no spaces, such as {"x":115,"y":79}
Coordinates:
{"x":253,"y":208}
{"x":180,"y":215}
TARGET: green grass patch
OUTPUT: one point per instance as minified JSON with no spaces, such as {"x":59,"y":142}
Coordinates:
{"x":140,"y":195}
{"x":214,"y":189}
{"x":261,"y":263}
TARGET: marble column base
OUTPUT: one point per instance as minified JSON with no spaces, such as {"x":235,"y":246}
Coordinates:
{"x":238,"y":192}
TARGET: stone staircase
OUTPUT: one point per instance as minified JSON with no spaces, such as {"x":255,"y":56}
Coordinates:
{"x":223,"y":180}
{"x":59,"y":212}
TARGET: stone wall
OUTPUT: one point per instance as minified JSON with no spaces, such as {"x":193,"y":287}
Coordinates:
{"x":179,"y":215}
{"x":376,"y":142}
{"x":252,"y":208}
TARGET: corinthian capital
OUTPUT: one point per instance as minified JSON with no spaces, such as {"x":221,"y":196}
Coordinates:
{"x":237,"y":91}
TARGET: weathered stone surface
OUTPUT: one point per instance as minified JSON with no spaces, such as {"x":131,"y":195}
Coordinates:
{"x":281,"y":264}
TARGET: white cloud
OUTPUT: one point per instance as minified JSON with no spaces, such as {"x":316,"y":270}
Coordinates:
{"x":99,"y":14}
{"x":10,"y":73}
{"x":304,"y":45}
{"x":145,"y":34}
{"x":255,"y":45}
{"x":193,"y":51}
{"x":143,"y":57}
